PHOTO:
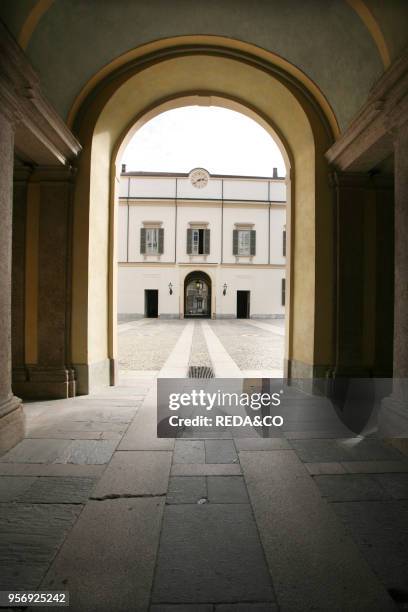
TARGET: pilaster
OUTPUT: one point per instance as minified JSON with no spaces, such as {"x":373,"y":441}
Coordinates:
{"x":11,"y":413}
{"x":364,"y":271}
{"x":48,"y":286}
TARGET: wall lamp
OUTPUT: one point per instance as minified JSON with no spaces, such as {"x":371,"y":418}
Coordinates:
{"x":224,"y":289}
{"x":170,"y":289}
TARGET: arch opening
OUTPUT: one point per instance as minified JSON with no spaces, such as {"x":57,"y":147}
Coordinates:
{"x":107,"y":123}
{"x":197,"y":295}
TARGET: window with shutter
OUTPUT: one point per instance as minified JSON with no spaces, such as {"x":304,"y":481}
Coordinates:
{"x":253,"y":242}
{"x":143,"y":240}
{"x":206,"y":250}
{"x":284,"y":243}
{"x":161,"y":241}
{"x":244,"y":242}
{"x":283,"y":291}
{"x":152,"y":240}
{"x":198,"y":241}
{"x":235,"y":242}
{"x":189,"y":241}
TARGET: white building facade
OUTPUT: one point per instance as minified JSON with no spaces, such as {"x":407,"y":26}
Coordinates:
{"x":195,"y":245}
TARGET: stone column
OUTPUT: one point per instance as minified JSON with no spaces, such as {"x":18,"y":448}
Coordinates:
{"x":394,"y":414}
{"x":11,"y":413}
{"x":401,"y":261}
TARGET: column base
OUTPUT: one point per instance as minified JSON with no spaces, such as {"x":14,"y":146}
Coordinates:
{"x":393,"y":419}
{"x":12,"y":423}
{"x":311,"y":378}
{"x":93,"y":376}
{"x":44,"y":383}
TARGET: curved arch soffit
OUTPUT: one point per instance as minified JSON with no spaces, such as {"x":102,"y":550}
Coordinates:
{"x":141,"y":58}
{"x":202,"y":100}
{"x":198,"y":274}
{"x":41,"y":7}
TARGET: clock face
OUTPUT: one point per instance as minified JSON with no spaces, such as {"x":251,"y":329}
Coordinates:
{"x":199,"y":177}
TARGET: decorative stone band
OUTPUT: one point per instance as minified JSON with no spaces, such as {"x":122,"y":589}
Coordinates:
{"x":37,"y":124}
{"x":369,"y":138}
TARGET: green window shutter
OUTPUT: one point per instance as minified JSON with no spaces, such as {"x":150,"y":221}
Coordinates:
{"x":235,"y":242}
{"x":283,"y":291}
{"x":161,"y":240}
{"x":206,"y":242}
{"x":189,"y":241}
{"x":253,"y":242}
{"x":143,"y":240}
{"x":284,"y":243}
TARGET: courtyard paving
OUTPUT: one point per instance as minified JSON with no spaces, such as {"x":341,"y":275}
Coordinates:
{"x":93,"y":503}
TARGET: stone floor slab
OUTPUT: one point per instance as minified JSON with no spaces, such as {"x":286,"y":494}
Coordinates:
{"x":134,"y":473}
{"x":353,"y":449}
{"x":210,"y":553}
{"x":350,"y":487}
{"x":315,"y":469}
{"x":182,"y":608}
{"x":396,"y":485}
{"x":142,"y":432}
{"x":380,"y":529}
{"x":107,"y":561}
{"x":247,"y":607}
{"x":375,"y":467}
{"x":142,"y":435}
{"x":30,"y":536}
{"x":94,"y":452}
{"x":227,"y":490}
{"x":206,"y":469}
{"x":58,"y":490}
{"x":220,"y":451}
{"x":259,"y":444}
{"x":50,"y":469}
{"x":189,"y":451}
{"x":36,"y":451}
{"x":311,"y":558}
{"x":12,"y":487}
{"x":186,"y":489}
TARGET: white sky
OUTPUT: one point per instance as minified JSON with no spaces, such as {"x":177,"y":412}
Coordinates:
{"x":218,"y":139}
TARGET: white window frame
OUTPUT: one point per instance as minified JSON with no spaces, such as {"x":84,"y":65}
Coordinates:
{"x":195,"y":241}
{"x":152,"y":240}
{"x":244,"y":242}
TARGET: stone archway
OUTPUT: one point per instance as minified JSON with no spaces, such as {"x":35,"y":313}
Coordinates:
{"x":197,"y":295}
{"x":277,"y":100}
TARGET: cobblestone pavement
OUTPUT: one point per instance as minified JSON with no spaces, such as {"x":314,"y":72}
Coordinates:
{"x":146,"y":344}
{"x":199,"y":352}
{"x":250,"y":347}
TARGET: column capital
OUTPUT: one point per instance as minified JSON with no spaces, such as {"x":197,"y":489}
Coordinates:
{"x":53,"y":174}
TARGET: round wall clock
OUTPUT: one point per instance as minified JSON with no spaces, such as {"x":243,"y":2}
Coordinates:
{"x":199,"y":177}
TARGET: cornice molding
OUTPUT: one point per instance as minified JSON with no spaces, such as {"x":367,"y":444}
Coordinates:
{"x":41,"y":136}
{"x":369,"y":138}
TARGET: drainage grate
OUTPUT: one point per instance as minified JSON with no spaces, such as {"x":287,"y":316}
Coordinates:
{"x":200,"y":372}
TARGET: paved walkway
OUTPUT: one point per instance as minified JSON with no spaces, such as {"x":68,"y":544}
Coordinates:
{"x":94,"y":503}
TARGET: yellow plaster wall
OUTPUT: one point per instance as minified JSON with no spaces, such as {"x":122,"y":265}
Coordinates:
{"x":105,"y":121}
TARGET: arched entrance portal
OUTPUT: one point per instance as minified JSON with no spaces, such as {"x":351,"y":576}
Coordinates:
{"x":197,"y":295}
{"x":207,"y":72}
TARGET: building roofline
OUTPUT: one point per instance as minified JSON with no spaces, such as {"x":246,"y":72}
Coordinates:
{"x":187,"y":174}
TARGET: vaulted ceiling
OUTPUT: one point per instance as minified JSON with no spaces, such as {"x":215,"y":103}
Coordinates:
{"x":343,"y":46}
